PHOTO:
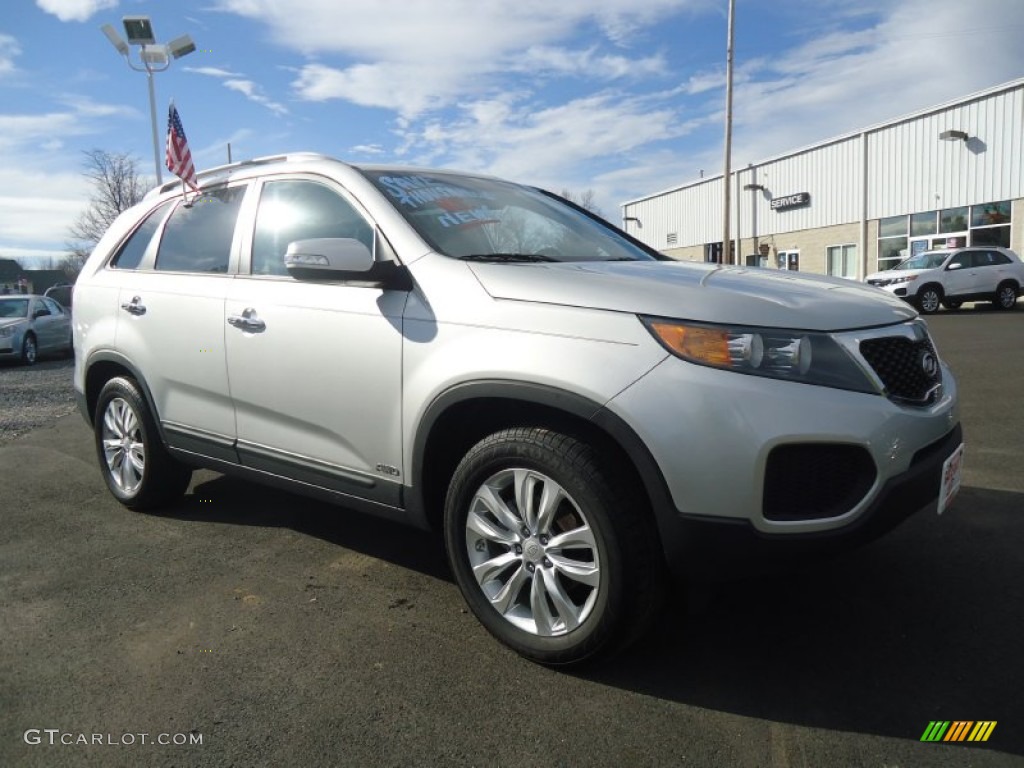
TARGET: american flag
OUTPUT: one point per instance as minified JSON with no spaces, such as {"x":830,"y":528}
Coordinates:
{"x":179,"y":159}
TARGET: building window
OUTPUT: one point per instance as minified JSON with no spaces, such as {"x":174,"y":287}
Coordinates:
{"x":923,"y":223}
{"x":953,"y":220}
{"x":893,"y":226}
{"x":990,"y":224}
{"x":842,"y":260}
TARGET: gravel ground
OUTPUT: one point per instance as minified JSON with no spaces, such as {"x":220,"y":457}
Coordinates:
{"x":33,"y":396}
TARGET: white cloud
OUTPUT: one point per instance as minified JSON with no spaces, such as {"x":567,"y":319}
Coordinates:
{"x":237,"y":82}
{"x":414,"y":57}
{"x":50,"y":204}
{"x":212,"y":71}
{"x":9,"y":48}
{"x":75,"y":10}
{"x":253,"y":92}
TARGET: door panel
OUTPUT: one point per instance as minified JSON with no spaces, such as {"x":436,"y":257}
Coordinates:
{"x":318,"y":386}
{"x":315,"y":367}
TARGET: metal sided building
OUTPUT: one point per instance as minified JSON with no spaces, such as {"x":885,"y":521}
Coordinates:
{"x":946,"y":176}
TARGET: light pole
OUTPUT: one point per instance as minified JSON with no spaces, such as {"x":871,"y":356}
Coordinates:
{"x":726,"y":238}
{"x":153,"y":58}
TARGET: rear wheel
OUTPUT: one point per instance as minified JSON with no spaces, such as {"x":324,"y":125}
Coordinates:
{"x":137,"y":468}
{"x":928,"y":299}
{"x":556,"y":557}
{"x":1006,"y":295}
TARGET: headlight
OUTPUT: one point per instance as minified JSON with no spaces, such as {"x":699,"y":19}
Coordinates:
{"x":909,"y":279}
{"x":6,"y":331}
{"x":778,"y":353}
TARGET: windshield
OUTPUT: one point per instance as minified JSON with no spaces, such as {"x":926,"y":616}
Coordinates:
{"x":929,"y":260}
{"x":490,"y":220}
{"x":13,"y":308}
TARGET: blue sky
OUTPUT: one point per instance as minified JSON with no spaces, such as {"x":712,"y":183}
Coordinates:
{"x":624,"y":97}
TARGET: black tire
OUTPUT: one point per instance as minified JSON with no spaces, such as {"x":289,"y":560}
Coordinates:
{"x":1005,"y":297}
{"x":154,"y":479}
{"x":952,"y":303}
{"x":29,"y":350}
{"x":929,"y":298}
{"x":624,"y":559}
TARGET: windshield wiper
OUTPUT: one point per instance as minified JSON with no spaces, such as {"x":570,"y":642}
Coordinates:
{"x":505,"y":257}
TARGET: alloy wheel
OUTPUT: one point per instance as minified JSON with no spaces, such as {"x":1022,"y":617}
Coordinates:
{"x":533,"y":552}
{"x":123,"y":447}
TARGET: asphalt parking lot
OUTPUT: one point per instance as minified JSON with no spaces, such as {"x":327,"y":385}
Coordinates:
{"x":280,"y":631}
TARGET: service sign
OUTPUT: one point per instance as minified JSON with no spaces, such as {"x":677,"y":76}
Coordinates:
{"x":791,"y":201}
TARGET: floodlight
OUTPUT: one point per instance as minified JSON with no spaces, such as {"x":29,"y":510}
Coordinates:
{"x":155,"y":55}
{"x":181,"y":46}
{"x":115,"y":39}
{"x":139,"y":30}
{"x":953,"y":136}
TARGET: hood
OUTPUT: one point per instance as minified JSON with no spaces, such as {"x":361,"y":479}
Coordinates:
{"x":6,"y":321}
{"x":893,"y":274}
{"x":701,"y":292}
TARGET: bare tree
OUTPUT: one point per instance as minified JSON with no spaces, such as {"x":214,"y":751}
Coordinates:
{"x":117,"y":186}
{"x":586,"y":200}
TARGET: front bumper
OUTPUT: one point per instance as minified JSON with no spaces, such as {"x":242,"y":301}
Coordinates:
{"x":712,"y":436}
{"x":717,"y":547}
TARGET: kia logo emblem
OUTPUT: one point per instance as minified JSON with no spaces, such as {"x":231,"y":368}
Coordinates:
{"x":929,"y":365}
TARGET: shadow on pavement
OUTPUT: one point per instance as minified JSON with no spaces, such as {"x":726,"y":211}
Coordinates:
{"x":238,"y":502}
{"x":923,"y":625}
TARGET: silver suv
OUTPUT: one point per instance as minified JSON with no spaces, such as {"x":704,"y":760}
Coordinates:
{"x":579,"y":415}
{"x":951,"y":277}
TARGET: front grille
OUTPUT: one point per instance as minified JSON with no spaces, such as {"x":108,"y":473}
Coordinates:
{"x":809,"y":481}
{"x":909,"y":369}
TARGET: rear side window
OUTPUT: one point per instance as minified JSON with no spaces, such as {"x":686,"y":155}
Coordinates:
{"x":198,"y":236}
{"x":134,"y":248}
{"x":999,"y":258}
{"x":300,"y":210}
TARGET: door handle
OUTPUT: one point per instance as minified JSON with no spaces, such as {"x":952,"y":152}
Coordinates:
{"x":247,"y":321}
{"x":135,"y":306}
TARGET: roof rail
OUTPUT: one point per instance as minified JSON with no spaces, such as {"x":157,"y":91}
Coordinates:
{"x":218,"y":170}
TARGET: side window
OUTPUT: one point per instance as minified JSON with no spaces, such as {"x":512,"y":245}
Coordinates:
{"x":995,"y":257}
{"x":981,"y":259}
{"x":963,"y":259}
{"x":134,"y":248}
{"x":198,"y":236}
{"x":53,"y":307}
{"x":300,"y":210}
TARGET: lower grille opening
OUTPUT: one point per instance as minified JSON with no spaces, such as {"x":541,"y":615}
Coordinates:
{"x":808,"y":481}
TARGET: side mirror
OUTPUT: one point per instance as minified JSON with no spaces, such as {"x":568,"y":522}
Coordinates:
{"x":40,"y":313}
{"x":954,"y":265}
{"x":328,"y":254}
{"x":342,"y":259}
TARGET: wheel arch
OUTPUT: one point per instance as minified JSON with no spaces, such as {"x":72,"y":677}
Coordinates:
{"x":465,"y":413}
{"x":106,"y":365}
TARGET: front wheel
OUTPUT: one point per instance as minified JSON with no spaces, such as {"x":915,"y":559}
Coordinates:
{"x":29,"y":350}
{"x":555,"y":557}
{"x":137,"y":468}
{"x":1006,"y":296}
{"x":929,"y":299}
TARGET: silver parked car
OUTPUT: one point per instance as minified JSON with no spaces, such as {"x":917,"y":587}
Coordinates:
{"x":579,"y":415}
{"x":32,"y":325}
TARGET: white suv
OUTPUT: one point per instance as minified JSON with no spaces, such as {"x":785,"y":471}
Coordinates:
{"x":954,"y":276}
{"x":577,"y":413}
